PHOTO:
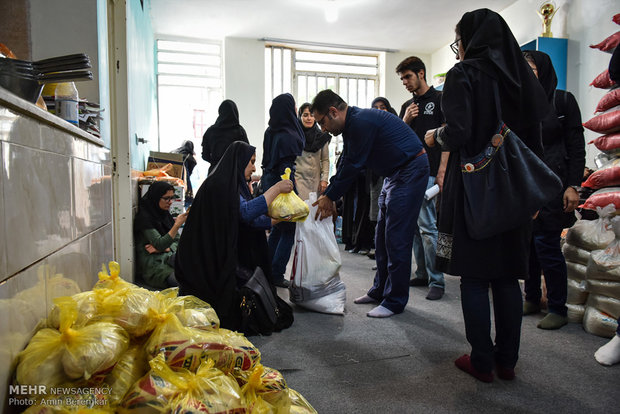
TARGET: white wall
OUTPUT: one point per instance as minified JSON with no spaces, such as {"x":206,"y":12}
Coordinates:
{"x":64,"y":27}
{"x":244,"y":83}
{"x":582,"y":22}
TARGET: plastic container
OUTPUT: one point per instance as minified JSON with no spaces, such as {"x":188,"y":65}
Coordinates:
{"x":66,"y":102}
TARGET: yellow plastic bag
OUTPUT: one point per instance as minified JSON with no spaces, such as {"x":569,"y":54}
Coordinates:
{"x":288,"y":206}
{"x":166,"y":390}
{"x":132,"y":366}
{"x":299,"y":405}
{"x":88,"y":352}
{"x":187,"y":347}
{"x":112,"y":280}
{"x":265,"y":390}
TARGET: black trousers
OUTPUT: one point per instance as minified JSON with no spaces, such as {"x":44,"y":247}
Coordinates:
{"x":508,"y":310}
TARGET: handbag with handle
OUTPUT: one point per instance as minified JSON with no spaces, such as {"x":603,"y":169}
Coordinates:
{"x":505,"y":184}
{"x":262,"y":311}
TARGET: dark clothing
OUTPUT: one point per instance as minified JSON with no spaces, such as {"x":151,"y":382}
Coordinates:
{"x":215,"y":241}
{"x":283,"y":143}
{"x":470,"y":125}
{"x":315,"y":139}
{"x":385,"y":102}
{"x":508,"y":312}
{"x":399,"y":205}
{"x":374,"y":140}
{"x":429,"y":117}
{"x":492,"y":62}
{"x":151,"y":226}
{"x":189,"y":163}
{"x":564,"y":154}
{"x":379,"y":141}
{"x":284,"y":139}
{"x":546,"y":256}
{"x":226,"y":130}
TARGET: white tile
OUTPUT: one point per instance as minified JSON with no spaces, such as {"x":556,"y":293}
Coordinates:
{"x":22,"y":307}
{"x":38,"y":213}
{"x":23,"y":130}
{"x":107,"y":192}
{"x":101,"y":249}
{"x":70,"y":270}
{"x":3,"y":269}
{"x":89,"y":196}
{"x":57,"y":141}
{"x":7,"y":119}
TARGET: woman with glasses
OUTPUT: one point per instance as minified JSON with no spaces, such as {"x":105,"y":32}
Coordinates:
{"x":491,"y":65}
{"x":156,"y":236}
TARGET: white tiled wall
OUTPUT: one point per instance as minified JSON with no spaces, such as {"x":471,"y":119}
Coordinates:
{"x":55,"y":220}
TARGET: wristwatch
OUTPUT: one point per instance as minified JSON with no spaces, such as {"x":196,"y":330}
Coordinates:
{"x":575,"y":187}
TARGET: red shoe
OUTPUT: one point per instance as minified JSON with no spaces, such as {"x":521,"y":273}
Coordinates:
{"x":464,"y":364}
{"x":504,"y":373}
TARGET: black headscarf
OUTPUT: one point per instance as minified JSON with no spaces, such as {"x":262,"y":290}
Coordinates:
{"x":187,"y":149}
{"x":150,"y":215}
{"x":546,"y":73}
{"x":207,"y":254}
{"x":284,"y":137}
{"x":385,"y":102}
{"x":222,"y":133}
{"x":315,"y":138}
{"x":614,"y":66}
{"x":491,"y":47}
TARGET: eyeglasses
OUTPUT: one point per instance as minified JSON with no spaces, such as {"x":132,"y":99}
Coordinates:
{"x":168,"y":198}
{"x":455,"y":46}
{"x":321,"y":122}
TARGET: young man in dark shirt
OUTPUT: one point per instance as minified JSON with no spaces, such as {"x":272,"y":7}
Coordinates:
{"x":421,"y":113}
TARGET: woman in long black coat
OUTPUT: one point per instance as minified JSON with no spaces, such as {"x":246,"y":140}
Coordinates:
{"x":226,"y":130}
{"x":224,"y":236}
{"x":490,"y":59}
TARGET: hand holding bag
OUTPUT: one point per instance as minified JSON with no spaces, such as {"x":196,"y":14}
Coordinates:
{"x":505,"y":184}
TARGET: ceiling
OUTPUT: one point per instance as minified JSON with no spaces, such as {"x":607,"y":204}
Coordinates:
{"x":422,"y":26}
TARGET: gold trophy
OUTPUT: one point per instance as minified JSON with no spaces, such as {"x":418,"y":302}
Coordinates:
{"x":546,"y":12}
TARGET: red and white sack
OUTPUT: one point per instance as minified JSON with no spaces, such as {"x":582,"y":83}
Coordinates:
{"x":603,"y":198}
{"x":609,"y":44}
{"x":598,"y":323}
{"x":575,"y":313}
{"x":605,"y":123}
{"x":603,"y":81}
{"x":575,"y":254}
{"x":609,"y":144}
{"x":606,"y":176}
{"x":609,"y":100}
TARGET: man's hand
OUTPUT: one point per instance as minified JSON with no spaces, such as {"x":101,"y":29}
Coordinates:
{"x":411,"y":112}
{"x":322,"y":187}
{"x":326,"y":208}
{"x":571,"y":200}
{"x":429,"y":137}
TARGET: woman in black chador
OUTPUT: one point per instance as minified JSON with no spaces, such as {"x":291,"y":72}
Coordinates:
{"x":490,"y":61}
{"x":222,"y":133}
{"x":224,"y":235}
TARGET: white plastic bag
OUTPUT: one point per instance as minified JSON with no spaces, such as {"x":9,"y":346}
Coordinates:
{"x":315,"y":282}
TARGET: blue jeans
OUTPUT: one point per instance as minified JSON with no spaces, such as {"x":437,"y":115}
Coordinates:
{"x":399,"y":205}
{"x":546,"y":255}
{"x":425,"y":242}
{"x":508,"y":310}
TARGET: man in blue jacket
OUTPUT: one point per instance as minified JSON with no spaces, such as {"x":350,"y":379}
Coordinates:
{"x":379,"y":141}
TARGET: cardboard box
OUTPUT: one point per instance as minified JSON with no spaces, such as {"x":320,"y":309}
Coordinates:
{"x":160,"y":159}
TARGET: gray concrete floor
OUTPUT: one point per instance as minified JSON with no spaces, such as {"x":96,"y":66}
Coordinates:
{"x":405,"y":364}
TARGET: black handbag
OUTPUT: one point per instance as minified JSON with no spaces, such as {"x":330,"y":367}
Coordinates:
{"x":505,"y":184}
{"x":262,"y":311}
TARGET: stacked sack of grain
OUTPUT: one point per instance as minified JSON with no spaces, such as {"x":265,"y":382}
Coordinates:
{"x":603,"y":285}
{"x":584,"y":237}
{"x":121,"y":348}
{"x":606,"y":179}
